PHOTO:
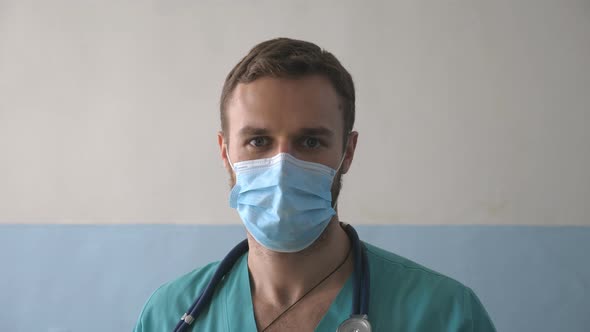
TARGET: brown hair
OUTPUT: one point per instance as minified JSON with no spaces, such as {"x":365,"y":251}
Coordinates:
{"x":289,"y":58}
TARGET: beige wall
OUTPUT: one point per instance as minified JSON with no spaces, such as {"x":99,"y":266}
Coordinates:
{"x":469,"y":112}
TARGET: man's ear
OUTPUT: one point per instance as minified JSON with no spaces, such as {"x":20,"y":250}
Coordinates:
{"x":349,"y":151}
{"x":221,"y":141}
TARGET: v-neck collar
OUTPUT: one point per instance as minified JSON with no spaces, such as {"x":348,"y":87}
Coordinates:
{"x":340,"y":308}
{"x":238,"y":299}
{"x":239,"y":311}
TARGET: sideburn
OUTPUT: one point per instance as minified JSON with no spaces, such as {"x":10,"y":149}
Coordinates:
{"x":336,"y":186}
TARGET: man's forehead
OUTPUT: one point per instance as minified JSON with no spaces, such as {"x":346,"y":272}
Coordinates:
{"x":308,"y":103}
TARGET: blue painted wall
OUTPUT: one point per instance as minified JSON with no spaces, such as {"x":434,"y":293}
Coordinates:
{"x":96,"y":278}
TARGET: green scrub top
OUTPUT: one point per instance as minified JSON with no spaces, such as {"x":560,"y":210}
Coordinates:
{"x":404,"y":296}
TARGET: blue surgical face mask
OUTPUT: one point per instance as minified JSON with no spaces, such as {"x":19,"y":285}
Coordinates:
{"x":285,"y":203}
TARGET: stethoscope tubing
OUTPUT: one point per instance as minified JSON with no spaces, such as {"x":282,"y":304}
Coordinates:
{"x":358,"y":264}
{"x":205,"y":298}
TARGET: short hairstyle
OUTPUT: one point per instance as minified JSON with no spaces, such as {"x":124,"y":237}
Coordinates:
{"x":290,"y":58}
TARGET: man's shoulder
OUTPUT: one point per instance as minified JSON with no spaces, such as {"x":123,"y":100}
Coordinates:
{"x":165,"y":305}
{"x":398,"y":273}
{"x":422,"y":295}
{"x":401,"y":264}
{"x":187,"y":283}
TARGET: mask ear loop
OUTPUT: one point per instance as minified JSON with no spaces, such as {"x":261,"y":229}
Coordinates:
{"x":343,"y":156}
{"x":228,"y":158}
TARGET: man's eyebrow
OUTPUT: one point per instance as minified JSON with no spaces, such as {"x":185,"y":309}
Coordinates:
{"x":253,"y":131}
{"x":317,"y":131}
{"x":310,"y":131}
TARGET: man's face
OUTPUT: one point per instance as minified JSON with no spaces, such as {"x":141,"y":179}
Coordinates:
{"x":301,"y":117}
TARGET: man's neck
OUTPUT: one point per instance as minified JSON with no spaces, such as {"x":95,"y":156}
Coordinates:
{"x":282,"y":278}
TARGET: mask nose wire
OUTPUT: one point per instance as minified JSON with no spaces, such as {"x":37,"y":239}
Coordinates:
{"x":231,"y":164}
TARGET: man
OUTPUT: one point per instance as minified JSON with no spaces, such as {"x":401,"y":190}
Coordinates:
{"x":286,"y":139}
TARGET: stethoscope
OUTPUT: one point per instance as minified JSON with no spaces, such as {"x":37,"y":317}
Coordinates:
{"x":359,"y":318}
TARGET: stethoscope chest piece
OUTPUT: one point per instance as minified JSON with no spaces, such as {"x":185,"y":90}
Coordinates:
{"x":356,"y":323}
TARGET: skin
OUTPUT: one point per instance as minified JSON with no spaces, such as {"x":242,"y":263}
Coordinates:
{"x":302,"y":117}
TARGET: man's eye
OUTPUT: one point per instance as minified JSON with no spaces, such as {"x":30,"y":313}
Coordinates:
{"x":258,"y":142}
{"x":311,"y":142}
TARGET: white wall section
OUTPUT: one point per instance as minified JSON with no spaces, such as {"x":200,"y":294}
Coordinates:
{"x":469,"y":112}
